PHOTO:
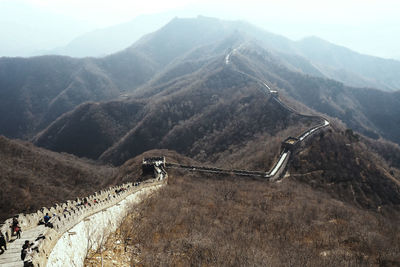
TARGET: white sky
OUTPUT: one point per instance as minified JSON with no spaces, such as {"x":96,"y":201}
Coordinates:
{"x":368,"y":26}
{"x":106,"y":12}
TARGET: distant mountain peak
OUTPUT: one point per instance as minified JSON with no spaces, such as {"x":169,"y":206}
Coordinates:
{"x":313,"y":38}
{"x":315,"y":41}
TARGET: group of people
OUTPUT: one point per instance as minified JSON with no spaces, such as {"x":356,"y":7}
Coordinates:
{"x":85,"y":202}
{"x":15,"y":231}
{"x":122,"y":189}
{"x":28,"y":249}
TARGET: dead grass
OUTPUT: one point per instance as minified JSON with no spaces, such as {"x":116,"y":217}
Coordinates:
{"x":199,"y":221}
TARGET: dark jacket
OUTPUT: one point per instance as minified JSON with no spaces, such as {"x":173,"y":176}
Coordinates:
{"x":46,"y":219}
{"x":2,"y":240}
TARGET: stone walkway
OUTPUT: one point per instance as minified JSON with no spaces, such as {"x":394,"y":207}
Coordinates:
{"x":12,"y":256}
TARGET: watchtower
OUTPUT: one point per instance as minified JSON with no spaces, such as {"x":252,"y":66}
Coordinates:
{"x":149,"y":165}
{"x":290,"y":143}
{"x":274,"y":93}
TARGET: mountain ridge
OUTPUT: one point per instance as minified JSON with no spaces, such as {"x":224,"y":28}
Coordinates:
{"x":159,"y":61}
{"x":353,"y":74}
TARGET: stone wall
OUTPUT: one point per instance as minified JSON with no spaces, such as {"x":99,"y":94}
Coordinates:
{"x":72,"y":247}
{"x":79,"y":216}
{"x":82,"y":224}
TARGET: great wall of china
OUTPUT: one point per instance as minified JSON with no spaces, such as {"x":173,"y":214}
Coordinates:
{"x":77,"y":225}
{"x":78,"y":228}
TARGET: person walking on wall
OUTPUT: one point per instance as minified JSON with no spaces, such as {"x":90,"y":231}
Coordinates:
{"x":3,"y":243}
{"x":15,"y":228}
{"x":28,"y":250}
{"x":27,"y":253}
{"x":17,"y":231}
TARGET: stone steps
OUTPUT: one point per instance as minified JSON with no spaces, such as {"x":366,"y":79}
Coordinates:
{"x":12,"y":256}
{"x":12,"y":264}
{"x":11,"y":259}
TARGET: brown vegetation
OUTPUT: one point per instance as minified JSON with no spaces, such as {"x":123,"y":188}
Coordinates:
{"x":31,"y":177}
{"x":389,"y":151}
{"x":206,"y":119}
{"x":207,"y":116}
{"x":340,"y":164}
{"x":259,"y":153}
{"x":91,"y":128}
{"x":371,"y":112}
{"x":221,"y":222}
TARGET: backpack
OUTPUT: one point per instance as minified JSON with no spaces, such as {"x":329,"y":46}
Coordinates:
{"x":23,"y":254}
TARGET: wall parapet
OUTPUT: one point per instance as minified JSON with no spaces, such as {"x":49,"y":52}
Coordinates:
{"x":66,"y":221}
{"x":66,"y":215}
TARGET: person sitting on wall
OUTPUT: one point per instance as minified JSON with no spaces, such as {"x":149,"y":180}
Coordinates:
{"x":47,"y":222}
{"x":46,"y":218}
{"x":2,"y":243}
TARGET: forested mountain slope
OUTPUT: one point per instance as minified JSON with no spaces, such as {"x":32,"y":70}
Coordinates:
{"x":336,"y":205}
{"x":369,"y":111}
{"x":34,"y":92}
{"x":352,"y":68}
{"x":203,"y":108}
{"x":201,"y":115}
{"x":32,"y":177}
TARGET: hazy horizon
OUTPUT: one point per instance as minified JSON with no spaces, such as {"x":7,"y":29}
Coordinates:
{"x":368,"y":27}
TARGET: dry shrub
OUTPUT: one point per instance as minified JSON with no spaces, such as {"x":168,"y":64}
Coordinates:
{"x":199,"y":220}
{"x":31,"y":177}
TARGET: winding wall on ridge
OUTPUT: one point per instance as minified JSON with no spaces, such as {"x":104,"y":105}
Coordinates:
{"x":280,"y":165}
{"x":78,"y":228}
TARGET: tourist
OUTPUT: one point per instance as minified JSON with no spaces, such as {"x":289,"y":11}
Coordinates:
{"x":47,"y":222}
{"x":27,"y":253}
{"x":2,"y":243}
{"x":14,"y":222}
{"x":17,"y":231}
{"x":28,"y":249}
{"x":15,"y":228}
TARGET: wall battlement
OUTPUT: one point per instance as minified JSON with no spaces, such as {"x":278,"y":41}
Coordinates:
{"x":67,"y":215}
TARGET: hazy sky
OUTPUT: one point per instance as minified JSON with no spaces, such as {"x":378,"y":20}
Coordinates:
{"x":367,"y":26}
